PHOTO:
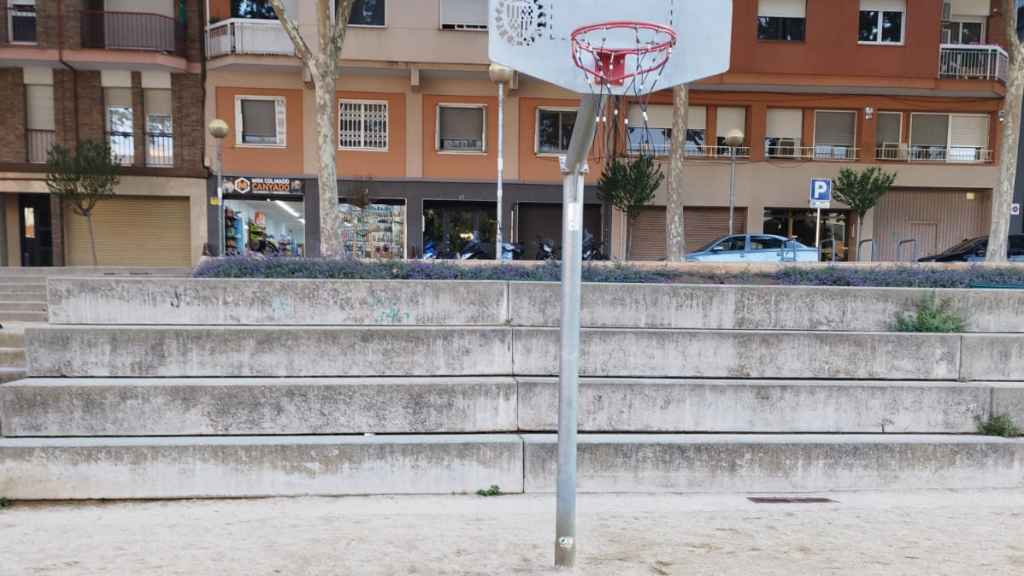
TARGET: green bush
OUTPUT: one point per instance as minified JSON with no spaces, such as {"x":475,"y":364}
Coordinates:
{"x":494,"y":490}
{"x":932,"y":316}
{"x":1002,"y":425}
{"x":4,"y":502}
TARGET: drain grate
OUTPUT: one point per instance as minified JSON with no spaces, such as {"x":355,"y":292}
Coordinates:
{"x":790,"y":500}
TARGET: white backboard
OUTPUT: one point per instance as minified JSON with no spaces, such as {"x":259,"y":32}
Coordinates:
{"x":533,"y":37}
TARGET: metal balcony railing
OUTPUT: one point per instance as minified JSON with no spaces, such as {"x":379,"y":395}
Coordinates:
{"x":159,"y":149}
{"x":819,"y":152}
{"x":38,"y":144}
{"x":694,"y":151}
{"x":122,"y":147}
{"x":247,"y":36}
{"x":934,"y":154}
{"x":20,"y":23}
{"x":968,"y":62}
{"x":131,"y":31}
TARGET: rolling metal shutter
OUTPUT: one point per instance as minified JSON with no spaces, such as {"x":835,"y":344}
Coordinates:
{"x":132,"y":231}
{"x":702,"y":225}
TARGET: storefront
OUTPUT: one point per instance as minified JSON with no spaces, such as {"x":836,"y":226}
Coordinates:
{"x":264,"y":216}
{"x":800,"y":223}
{"x":377,"y":230}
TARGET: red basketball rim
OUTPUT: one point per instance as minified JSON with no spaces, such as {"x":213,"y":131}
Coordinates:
{"x":609,"y":63}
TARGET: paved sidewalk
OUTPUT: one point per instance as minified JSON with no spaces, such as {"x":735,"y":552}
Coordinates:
{"x":920,"y":534}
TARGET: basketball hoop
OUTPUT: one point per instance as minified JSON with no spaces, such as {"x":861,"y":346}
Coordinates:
{"x":643,"y":48}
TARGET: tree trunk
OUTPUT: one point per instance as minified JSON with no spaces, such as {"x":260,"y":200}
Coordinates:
{"x":1002,"y":195}
{"x":629,"y":235}
{"x":675,"y":236}
{"x":327,"y":177}
{"x":92,"y":239}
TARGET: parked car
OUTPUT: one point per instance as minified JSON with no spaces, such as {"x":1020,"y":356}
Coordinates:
{"x":973,"y":250}
{"x":754,"y":248}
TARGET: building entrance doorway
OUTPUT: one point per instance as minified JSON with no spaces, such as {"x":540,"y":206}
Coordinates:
{"x":35,"y":230}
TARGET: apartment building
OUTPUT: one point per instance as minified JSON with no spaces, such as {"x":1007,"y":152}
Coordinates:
{"x":128,"y":72}
{"x":914,"y":86}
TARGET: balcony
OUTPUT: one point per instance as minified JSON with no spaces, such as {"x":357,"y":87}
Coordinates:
{"x":967,"y":62}
{"x":131,"y":31}
{"x":159,"y":149}
{"x":786,"y":149}
{"x":695,"y":151}
{"x":934,"y":154}
{"x":248,"y":36}
{"x":38,"y":144}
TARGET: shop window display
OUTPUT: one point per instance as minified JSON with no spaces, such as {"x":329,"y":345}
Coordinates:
{"x":376,"y":231}
{"x":268,"y":227}
{"x":798,"y":224}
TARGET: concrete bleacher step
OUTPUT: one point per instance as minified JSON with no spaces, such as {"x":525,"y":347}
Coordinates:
{"x":23,"y":317}
{"x":11,"y":374}
{"x":253,"y":466}
{"x":409,"y":405}
{"x":23,"y":296}
{"x":12,"y":357}
{"x":12,"y":335}
{"x":7,"y":306}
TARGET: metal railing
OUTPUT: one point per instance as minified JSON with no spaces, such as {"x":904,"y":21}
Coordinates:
{"x":247,"y":36}
{"x":694,"y":151}
{"x":821,"y":152}
{"x":160,"y":149}
{"x":122,"y":147}
{"x":968,"y":62}
{"x":934,"y":154}
{"x":131,"y":31}
{"x":20,"y":23}
{"x":38,"y":144}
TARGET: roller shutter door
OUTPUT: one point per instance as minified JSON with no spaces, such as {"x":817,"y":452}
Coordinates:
{"x":702,"y":226}
{"x":545,"y":220}
{"x":937,"y":219}
{"x":132,"y":231}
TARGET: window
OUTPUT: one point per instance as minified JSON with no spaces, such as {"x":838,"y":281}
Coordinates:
{"x":783,"y":134}
{"x":120,"y":124}
{"x":730,"y":119}
{"x":39,"y":121}
{"x":367,"y":13}
{"x":949,"y":137}
{"x":461,"y":128}
{"x":657,"y":138}
{"x":21,"y":21}
{"x":159,"y":128}
{"x":464,"y":14}
{"x":260,"y":9}
{"x":363,"y":125}
{"x":781,"y":20}
{"x":960,"y":32}
{"x":732,"y":244}
{"x":889,"y":136}
{"x":260,"y":121}
{"x":835,"y":133}
{"x":882,"y":21}
{"x":766,"y":243}
{"x":554,"y":130}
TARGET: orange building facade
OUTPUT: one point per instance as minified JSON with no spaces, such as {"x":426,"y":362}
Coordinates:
{"x":913,"y":86}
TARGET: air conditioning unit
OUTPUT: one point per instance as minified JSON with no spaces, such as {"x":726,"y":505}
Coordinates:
{"x":947,"y":11}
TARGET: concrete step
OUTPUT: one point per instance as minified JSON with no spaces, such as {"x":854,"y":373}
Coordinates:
{"x":12,"y":357}
{"x":10,"y":375}
{"x":40,"y":317}
{"x":7,"y":306}
{"x":254,"y":406}
{"x":12,"y":335}
{"x":253,"y":466}
{"x":132,"y":468}
{"x":291,"y":406}
{"x":23,"y":296}
{"x":779,"y":463}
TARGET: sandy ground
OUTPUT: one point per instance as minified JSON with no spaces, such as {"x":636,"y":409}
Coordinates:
{"x":921,"y":534}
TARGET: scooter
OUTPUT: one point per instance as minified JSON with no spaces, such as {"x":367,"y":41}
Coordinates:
{"x":546,"y":250}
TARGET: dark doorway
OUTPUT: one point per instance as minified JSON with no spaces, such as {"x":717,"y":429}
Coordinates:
{"x":36,"y":230}
{"x":449,"y":226}
{"x":536,"y":221}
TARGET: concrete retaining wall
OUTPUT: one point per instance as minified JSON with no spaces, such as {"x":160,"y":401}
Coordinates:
{"x":993,"y":357}
{"x":792,"y":463}
{"x":130,"y":468}
{"x":184,"y":351}
{"x":188,"y":301}
{"x":185,"y":301}
{"x":737,"y":354}
{"x":635,"y":405}
{"x":255,"y":406}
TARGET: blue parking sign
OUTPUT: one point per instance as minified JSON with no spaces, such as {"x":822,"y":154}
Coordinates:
{"x":821,"y":193}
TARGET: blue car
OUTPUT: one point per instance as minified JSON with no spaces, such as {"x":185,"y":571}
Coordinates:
{"x":754,"y":248}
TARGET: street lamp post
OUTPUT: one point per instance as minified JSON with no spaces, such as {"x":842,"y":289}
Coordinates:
{"x":501,"y":75}
{"x":733,"y":140}
{"x":219,"y":130}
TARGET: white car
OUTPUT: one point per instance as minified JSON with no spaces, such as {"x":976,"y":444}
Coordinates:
{"x":754,"y":248}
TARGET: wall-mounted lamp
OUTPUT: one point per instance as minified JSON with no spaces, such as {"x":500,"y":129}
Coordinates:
{"x":869,"y":112}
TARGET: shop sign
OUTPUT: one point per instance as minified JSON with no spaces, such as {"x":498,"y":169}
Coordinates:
{"x":264,"y":185}
{"x":1015,"y":210}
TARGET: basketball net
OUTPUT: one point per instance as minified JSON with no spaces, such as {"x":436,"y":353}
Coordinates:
{"x":631,"y":57}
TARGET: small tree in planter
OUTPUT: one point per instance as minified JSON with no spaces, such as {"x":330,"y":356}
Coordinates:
{"x":629,"y":185}
{"x":862,"y":191}
{"x":82,"y":178}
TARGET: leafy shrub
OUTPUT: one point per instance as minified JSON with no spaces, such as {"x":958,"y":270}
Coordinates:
{"x":1002,"y":425}
{"x":494,"y":490}
{"x":904,"y":276}
{"x":932,"y":316}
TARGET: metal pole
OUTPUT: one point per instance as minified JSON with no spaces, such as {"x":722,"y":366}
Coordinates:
{"x":222,"y":241}
{"x":498,"y":248}
{"x":817,"y":235}
{"x":573,"y":169}
{"x":732,"y":191}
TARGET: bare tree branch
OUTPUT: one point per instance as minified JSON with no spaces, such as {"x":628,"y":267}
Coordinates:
{"x":344,"y":12}
{"x":292,"y":29}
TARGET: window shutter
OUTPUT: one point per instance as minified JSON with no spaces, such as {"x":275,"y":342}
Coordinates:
{"x":968,"y":131}
{"x":731,"y":119}
{"x":40,"y":108}
{"x":462,"y":123}
{"x":785,"y":123}
{"x":281,"y":116}
{"x":658,"y":116}
{"x":157,"y":102}
{"x":888,"y":130}
{"x":697,"y":118}
{"x":782,"y":8}
{"x":884,"y":5}
{"x":970,"y":7}
{"x":464,"y":13}
{"x":929,"y":130}
{"x":835,"y":128}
